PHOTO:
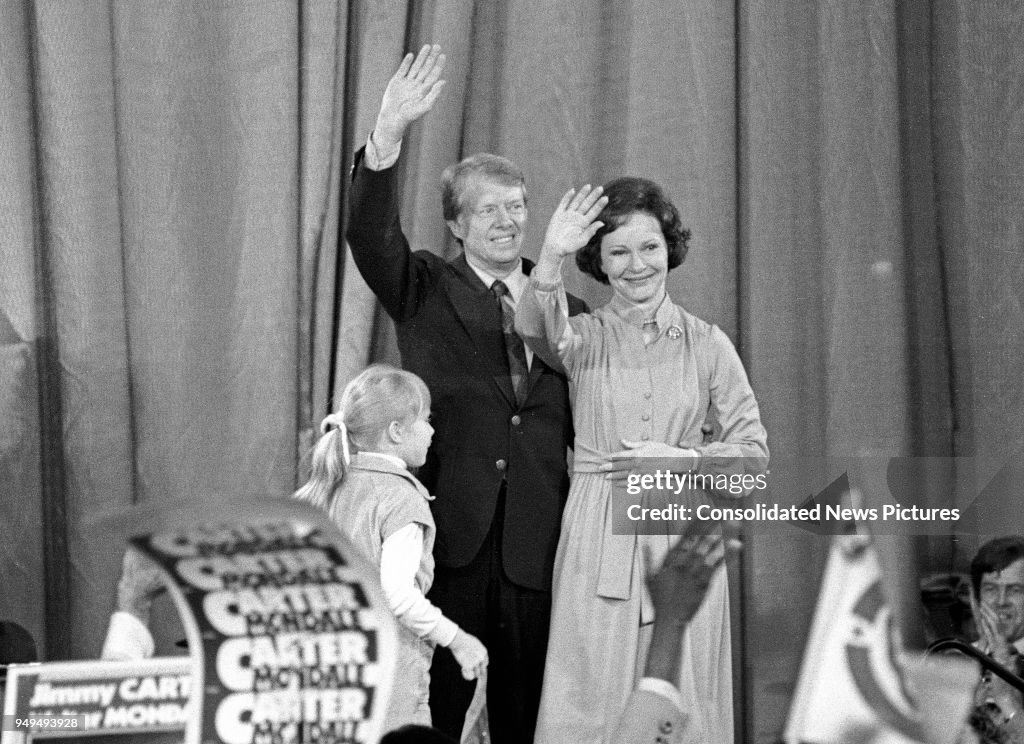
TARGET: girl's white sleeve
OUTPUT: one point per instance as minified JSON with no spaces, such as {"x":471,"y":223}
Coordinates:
{"x":400,"y":559}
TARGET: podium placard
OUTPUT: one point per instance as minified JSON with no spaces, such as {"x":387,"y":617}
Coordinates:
{"x":137,"y":702}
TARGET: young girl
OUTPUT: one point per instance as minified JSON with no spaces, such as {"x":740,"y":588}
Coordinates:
{"x":360,"y":477}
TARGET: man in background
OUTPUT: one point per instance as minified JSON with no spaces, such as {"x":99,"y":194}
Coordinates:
{"x":997,"y":581}
{"x":997,"y":603}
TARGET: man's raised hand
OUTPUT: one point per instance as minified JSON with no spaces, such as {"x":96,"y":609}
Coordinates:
{"x":410,"y":94}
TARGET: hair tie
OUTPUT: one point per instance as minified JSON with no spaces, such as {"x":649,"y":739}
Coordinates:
{"x":337,"y":420}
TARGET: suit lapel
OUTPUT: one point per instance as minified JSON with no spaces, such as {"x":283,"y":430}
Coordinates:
{"x":478,"y":313}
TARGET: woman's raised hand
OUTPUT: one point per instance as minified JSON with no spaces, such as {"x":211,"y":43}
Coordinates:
{"x":574,"y":222}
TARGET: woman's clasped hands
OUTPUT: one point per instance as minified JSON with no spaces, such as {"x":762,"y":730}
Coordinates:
{"x":640,"y":458}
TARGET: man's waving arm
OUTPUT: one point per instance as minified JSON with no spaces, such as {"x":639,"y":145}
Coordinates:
{"x":410,"y":94}
{"x":374,"y":231}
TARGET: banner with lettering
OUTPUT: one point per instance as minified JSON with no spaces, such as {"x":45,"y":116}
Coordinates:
{"x":293,"y":638}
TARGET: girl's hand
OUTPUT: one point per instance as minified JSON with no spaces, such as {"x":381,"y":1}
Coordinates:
{"x":470,"y":653}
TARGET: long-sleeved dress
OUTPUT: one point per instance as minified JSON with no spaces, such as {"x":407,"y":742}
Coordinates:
{"x":622,"y":388}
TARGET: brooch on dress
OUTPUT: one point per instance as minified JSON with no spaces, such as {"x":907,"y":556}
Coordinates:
{"x":674,"y":332}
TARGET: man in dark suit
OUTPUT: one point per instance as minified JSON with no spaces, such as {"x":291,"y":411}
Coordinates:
{"x":501,"y":416}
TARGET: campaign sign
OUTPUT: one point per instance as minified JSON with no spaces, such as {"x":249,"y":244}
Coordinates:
{"x":138,"y":702}
{"x":294,"y":634}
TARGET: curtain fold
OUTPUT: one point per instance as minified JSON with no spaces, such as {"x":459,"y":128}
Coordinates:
{"x":22,"y":343}
{"x":979,"y":178}
{"x":323,"y":144}
{"x":824,"y":315}
{"x":83,"y":266}
{"x":188,"y":180}
{"x":178,"y":311}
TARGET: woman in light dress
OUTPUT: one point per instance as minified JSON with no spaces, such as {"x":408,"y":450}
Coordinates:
{"x":647,"y":380}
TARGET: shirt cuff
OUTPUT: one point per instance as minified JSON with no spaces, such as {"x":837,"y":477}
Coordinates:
{"x":664,"y":688}
{"x":377,"y":158}
{"x":545,"y":286}
{"x":444,"y":632}
{"x":128,"y":639}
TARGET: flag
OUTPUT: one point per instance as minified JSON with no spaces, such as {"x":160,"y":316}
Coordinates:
{"x":855,"y":684}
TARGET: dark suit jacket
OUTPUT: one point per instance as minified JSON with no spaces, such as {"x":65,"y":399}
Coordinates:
{"x":449,"y":333}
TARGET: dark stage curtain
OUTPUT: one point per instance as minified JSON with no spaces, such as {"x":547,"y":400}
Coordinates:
{"x":175,"y":309}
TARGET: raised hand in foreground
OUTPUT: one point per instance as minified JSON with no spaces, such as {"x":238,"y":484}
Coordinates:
{"x":677,"y":592}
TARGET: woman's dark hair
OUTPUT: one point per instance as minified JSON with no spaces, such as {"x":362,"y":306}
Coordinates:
{"x":627,"y":196}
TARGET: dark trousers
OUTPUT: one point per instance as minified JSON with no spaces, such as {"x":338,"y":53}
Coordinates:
{"x":512,"y":622}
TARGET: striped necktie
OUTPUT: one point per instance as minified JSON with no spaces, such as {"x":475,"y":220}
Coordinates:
{"x":515,"y":351}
